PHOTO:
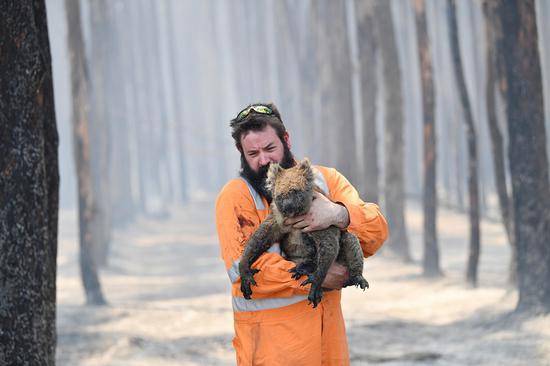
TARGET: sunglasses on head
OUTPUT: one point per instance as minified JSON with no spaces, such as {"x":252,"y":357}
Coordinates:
{"x":262,"y":109}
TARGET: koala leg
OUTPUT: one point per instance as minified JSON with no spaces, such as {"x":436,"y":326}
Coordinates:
{"x":259,"y":243}
{"x":309,"y":258}
{"x":327,"y":249}
{"x":351,"y":256}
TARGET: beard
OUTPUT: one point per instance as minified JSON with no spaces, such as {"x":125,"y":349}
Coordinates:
{"x":258,"y":179}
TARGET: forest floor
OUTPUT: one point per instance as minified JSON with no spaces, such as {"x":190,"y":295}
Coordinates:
{"x":169,"y":301}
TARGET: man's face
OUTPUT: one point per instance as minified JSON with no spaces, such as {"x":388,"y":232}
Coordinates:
{"x":260,"y":148}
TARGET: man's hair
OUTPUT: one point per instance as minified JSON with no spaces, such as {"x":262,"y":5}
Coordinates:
{"x":255,"y":121}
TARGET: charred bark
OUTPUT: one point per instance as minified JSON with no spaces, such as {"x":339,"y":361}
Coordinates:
{"x":336,"y":97}
{"x":473,"y":180}
{"x":87,"y":205}
{"x":496,"y":79}
{"x":122,"y":115}
{"x":100,"y":92}
{"x":179,"y":105}
{"x":29,"y":179}
{"x":368,"y":46}
{"x":527,"y":152}
{"x":394,"y":179}
{"x":431,"y":249}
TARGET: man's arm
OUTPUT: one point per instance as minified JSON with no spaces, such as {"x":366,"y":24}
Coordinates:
{"x":236,"y":221}
{"x":365,"y":219}
{"x":345,"y":210}
{"x":349,"y":212}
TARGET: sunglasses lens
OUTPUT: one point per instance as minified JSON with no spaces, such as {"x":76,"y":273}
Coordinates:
{"x":243,"y":114}
{"x":262,"y":109}
{"x":257,"y":108}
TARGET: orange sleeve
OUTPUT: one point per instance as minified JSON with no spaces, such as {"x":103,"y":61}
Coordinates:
{"x":236,"y":221}
{"x":366,"y":220}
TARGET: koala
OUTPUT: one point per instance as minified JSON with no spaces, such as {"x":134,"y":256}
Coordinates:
{"x":313,"y":253}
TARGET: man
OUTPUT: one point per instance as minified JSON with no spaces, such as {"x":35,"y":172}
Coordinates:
{"x":277,"y":326}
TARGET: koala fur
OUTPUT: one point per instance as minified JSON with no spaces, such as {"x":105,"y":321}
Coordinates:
{"x":313,"y":252}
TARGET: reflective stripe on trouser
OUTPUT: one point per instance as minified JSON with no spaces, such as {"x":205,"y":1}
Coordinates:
{"x":297,"y":334}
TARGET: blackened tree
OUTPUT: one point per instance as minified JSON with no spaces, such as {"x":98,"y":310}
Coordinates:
{"x":368,"y":45}
{"x":394,"y":179}
{"x":87,"y":211}
{"x":496,"y":81}
{"x":473,"y":180}
{"x":527,"y":152}
{"x":335,"y":83}
{"x":431,"y":249}
{"x":29,"y":181}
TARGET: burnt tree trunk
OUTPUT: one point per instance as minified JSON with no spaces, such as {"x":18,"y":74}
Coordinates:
{"x":135,"y":104}
{"x":336,"y":92}
{"x":431,"y":250}
{"x":496,"y":78}
{"x":87,"y":206}
{"x":179,"y":105}
{"x":394,"y":179}
{"x":297,"y":35}
{"x":149,"y":134}
{"x":29,"y":179}
{"x":122,"y":161}
{"x":161,"y":174}
{"x":140,"y":90}
{"x":368,"y":44}
{"x":101,"y":86}
{"x":527,"y":152}
{"x":473,"y":184}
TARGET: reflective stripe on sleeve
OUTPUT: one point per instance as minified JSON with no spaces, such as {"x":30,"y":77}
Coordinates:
{"x":242,"y":304}
{"x":321,"y":182}
{"x":233,"y":271}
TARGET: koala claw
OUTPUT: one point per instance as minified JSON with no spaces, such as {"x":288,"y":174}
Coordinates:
{"x":315,"y":296}
{"x":299,"y":271}
{"x":247,"y":280}
{"x":357,"y":281}
{"x":309,"y":279}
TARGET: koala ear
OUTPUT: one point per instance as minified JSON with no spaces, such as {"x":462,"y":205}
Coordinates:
{"x":305,"y":163}
{"x":274,"y":170}
{"x":305,"y":167}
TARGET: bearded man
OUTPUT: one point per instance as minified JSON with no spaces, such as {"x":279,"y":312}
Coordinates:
{"x":277,"y":326}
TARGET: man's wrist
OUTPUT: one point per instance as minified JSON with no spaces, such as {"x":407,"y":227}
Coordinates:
{"x":342,"y":216}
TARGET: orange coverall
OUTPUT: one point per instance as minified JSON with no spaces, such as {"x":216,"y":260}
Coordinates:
{"x":277,"y":326}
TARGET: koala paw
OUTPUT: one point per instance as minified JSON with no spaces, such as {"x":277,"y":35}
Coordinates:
{"x":310,"y":279}
{"x":357,"y":281}
{"x":247,"y":280}
{"x":299,"y":271}
{"x":315,"y":295}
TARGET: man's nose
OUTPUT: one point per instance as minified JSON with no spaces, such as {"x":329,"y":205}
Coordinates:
{"x":264,"y":159}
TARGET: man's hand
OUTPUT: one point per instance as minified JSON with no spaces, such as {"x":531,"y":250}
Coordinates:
{"x":322,"y":214}
{"x":337,"y":276}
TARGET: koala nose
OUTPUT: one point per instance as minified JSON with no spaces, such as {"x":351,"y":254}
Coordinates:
{"x":285,"y":205}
